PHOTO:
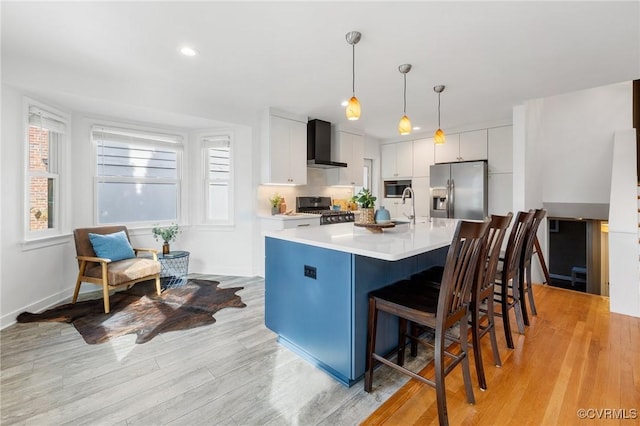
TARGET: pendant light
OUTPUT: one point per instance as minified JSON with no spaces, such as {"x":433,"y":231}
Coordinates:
{"x":353,"y":107}
{"x":404,"y":126}
{"x":439,"y":137}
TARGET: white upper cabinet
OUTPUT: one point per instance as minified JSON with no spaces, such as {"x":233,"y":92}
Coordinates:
{"x":501,"y":149}
{"x":466,"y":146}
{"x":449,"y":151}
{"x":347,"y":148}
{"x":397,"y":160}
{"x":423,"y":157}
{"x":284,"y":149}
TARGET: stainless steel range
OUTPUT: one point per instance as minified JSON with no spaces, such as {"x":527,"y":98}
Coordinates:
{"x":322,"y":206}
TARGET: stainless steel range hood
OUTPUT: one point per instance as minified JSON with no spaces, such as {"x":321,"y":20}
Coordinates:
{"x":319,"y":145}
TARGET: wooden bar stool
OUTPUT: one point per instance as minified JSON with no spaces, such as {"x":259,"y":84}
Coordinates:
{"x":411,"y":301}
{"x":482,"y":309}
{"x":526,"y":289}
{"x":507,"y":283}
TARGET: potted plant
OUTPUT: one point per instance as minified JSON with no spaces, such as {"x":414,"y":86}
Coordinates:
{"x":167,"y":234}
{"x":275,"y":203}
{"x":367,"y":204}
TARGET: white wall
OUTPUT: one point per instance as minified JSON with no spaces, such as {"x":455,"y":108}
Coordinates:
{"x":30,"y":277}
{"x":624,"y":272}
{"x":563,"y":147}
{"x":37,"y":276}
{"x":576,"y":132}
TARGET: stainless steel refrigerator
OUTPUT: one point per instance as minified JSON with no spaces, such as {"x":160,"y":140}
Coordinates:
{"x":459,"y":190}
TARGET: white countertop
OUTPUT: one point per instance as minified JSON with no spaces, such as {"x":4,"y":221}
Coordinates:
{"x":396,"y":243}
{"x":293,"y":216}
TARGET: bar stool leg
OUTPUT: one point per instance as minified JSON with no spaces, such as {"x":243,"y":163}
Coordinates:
{"x":371,"y":344}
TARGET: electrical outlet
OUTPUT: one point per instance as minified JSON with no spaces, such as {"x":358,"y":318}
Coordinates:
{"x":310,"y":271}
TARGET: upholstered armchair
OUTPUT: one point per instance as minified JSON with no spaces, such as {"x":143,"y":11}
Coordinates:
{"x":106,"y":258}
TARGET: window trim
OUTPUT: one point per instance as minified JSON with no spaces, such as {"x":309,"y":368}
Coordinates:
{"x":62,"y":183}
{"x":166,"y":139}
{"x":204,"y":147}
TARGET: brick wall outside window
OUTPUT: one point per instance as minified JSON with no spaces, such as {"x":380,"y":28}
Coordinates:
{"x":38,"y":186}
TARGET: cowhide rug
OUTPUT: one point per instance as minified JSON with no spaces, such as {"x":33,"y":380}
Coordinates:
{"x":139,"y":310}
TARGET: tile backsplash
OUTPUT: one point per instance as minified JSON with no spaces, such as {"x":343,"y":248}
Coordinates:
{"x":316,"y":186}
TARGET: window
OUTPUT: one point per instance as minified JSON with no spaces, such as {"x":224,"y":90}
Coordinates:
{"x":137,"y":176}
{"x":218,"y":194}
{"x":45,"y":139}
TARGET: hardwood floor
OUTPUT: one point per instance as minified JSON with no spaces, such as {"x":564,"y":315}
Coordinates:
{"x":231,"y":373}
{"x":575,"y":355}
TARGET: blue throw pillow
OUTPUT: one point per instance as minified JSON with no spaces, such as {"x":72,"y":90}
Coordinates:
{"x":112,"y":246}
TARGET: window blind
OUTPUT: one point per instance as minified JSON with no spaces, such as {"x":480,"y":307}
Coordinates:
{"x":46,"y":120}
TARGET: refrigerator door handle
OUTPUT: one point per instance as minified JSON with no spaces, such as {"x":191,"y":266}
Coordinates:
{"x":448,"y":202}
{"x":451,"y":199}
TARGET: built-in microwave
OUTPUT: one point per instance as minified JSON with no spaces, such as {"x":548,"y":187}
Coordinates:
{"x":394,"y":188}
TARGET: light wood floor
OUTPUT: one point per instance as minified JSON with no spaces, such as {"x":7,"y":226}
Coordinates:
{"x":575,"y":355}
{"x":230,"y":373}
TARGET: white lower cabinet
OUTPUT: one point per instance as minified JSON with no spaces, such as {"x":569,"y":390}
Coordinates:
{"x":279,"y":222}
{"x":391,"y":204}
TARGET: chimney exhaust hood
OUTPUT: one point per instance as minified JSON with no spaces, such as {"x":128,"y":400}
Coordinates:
{"x":319,"y":145}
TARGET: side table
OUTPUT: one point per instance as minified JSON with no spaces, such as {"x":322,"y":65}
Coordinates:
{"x":174,"y":268}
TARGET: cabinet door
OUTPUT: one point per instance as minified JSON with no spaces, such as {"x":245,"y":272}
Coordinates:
{"x":310,"y":312}
{"x":356,"y":163}
{"x":297,"y":223}
{"x":390,"y":204}
{"x":500,"y":187}
{"x":297,"y":152}
{"x":500,"y":146}
{"x":280,"y":157}
{"x":404,"y":159}
{"x":422,"y":157}
{"x":473,"y":145}
{"x":423,"y":195}
{"x":388,"y":161}
{"x":347,"y":148}
{"x":449,"y":151}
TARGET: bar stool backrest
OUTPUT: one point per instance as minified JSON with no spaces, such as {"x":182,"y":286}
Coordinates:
{"x":515,"y":245}
{"x":527,"y":252}
{"x":459,"y":272}
{"x":491,"y":252}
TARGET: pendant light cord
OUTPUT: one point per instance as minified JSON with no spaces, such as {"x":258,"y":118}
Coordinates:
{"x":438,"y":110}
{"x":353,"y":69}
{"x":404,"y":107}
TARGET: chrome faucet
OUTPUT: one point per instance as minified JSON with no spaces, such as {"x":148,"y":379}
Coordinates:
{"x":408,"y":190}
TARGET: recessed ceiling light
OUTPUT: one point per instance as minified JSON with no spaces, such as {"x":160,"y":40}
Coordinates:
{"x":344,"y":103}
{"x":188,"y":51}
{"x":416,"y":128}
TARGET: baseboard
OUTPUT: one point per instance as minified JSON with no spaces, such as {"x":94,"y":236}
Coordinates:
{"x":9,"y":319}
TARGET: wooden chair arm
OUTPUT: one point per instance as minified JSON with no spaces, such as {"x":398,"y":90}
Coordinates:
{"x":145,"y":250}
{"x":93,"y":259}
{"x":154,"y":252}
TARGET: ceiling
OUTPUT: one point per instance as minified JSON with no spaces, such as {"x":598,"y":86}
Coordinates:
{"x":106,"y":57}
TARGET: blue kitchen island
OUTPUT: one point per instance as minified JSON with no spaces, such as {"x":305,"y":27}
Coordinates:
{"x":317,"y":281}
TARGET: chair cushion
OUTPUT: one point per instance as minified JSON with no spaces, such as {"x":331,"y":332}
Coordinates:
{"x":112,"y":246}
{"x":125,"y":270}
